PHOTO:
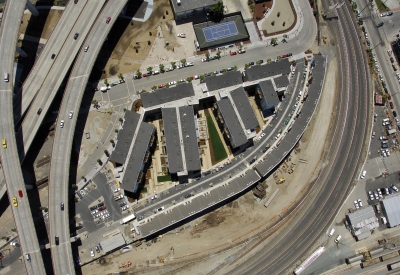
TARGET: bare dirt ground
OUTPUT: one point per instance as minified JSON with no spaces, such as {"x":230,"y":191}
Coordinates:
{"x":122,"y":56}
{"x":235,"y":222}
{"x":42,"y":25}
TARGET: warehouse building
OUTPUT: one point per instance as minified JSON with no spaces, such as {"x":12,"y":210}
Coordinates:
{"x":362,"y":221}
{"x":391,"y":209}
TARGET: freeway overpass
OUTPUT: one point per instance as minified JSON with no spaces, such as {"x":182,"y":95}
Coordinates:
{"x":9,"y":157}
{"x":62,"y":146}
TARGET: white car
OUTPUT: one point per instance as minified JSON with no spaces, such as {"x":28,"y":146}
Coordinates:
{"x":172,"y":83}
{"x":71,"y":114}
{"x":376,"y":195}
{"x":262,"y":135}
{"x":379,"y":192}
{"x":363,"y":174}
{"x":394,"y":187}
{"x":277,"y":136}
{"x":188,"y":64}
{"x":356,"y":204}
{"x":86,"y":48}
{"x":196,"y":76}
{"x":62,"y":124}
{"x":91,"y":252}
{"x":371,"y":196}
{"x":204,"y":60}
{"x":383,"y":14}
{"x":116,"y":190}
{"x":387,"y":152}
{"x":359,"y":202}
{"x":182,"y":35}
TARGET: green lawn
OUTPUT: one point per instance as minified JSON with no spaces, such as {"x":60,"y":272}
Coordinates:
{"x":164,"y":178}
{"x":382,"y":8}
{"x":216,"y":142}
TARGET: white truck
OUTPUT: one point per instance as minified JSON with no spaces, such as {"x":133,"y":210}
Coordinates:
{"x":127,"y":219}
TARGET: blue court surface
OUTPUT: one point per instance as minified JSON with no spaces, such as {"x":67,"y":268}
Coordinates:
{"x":220,"y":31}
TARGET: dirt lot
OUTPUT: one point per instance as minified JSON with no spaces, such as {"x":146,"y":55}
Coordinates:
{"x":42,"y":25}
{"x":121,"y":54}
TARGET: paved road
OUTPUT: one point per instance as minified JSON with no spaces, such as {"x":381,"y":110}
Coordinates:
{"x":9,"y":157}
{"x":60,"y":162}
{"x":44,"y":64}
{"x":333,"y":184}
{"x":50,"y":85}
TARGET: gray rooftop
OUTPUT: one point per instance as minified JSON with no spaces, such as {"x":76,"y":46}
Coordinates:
{"x":281,"y":81}
{"x":236,"y":131}
{"x":222,"y":81}
{"x":244,"y":108}
{"x":392,"y":209}
{"x":112,"y":243}
{"x":165,"y":95}
{"x":189,"y":137}
{"x":134,"y":166}
{"x":271,"y":69}
{"x":188,"y":5}
{"x":361,"y":215}
{"x":125,"y":136}
{"x":171,"y":132}
{"x":269,"y":92}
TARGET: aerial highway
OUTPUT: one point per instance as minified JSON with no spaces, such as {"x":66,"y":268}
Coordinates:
{"x":55,"y":76}
{"x":62,"y":146}
{"x":279,"y":253}
{"x":9,"y":156}
{"x":44,"y":63}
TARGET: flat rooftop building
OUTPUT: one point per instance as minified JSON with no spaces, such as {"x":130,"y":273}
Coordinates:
{"x":267,"y":95}
{"x":362,"y":222}
{"x":391,"y":209}
{"x":165,"y":95}
{"x":281,"y":82}
{"x":112,"y":243}
{"x":186,"y":8}
{"x":222,"y":81}
{"x":189,"y":131}
{"x":140,"y":154}
{"x":125,"y":137}
{"x":268,"y":70}
{"x":172,"y":140}
{"x":232,"y":128}
{"x":244,"y":108}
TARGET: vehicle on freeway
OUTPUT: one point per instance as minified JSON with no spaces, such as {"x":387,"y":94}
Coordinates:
{"x":161,"y":86}
{"x":53,"y":55}
{"x":6,"y":77}
{"x":181,"y":35}
{"x":391,"y":105}
{"x":363,"y":174}
{"x":71,"y":113}
{"x":15,"y":202}
{"x":57,"y":239}
{"x":27,"y":257}
{"x":379,"y":25}
{"x":86,"y":48}
{"x":4,"y":143}
{"x":91,"y":252}
{"x":232,"y":53}
{"x":160,"y":209}
{"x":76,"y":35}
{"x":356,"y":204}
{"x":108,"y":19}
{"x":359,"y":202}
{"x":371,"y":196}
{"x":20,"y":194}
{"x":62,"y":206}
{"x":338,"y":239}
{"x":39,"y":111}
{"x":62,"y":124}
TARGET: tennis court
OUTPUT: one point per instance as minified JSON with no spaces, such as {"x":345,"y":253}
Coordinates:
{"x":220,"y":31}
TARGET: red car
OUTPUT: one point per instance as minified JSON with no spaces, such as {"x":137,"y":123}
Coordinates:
{"x":233,"y":53}
{"x":144,"y":75}
{"x":108,"y":19}
{"x":391,"y":105}
{"x":161,"y":86}
{"x":284,"y":55}
{"x":20,"y":193}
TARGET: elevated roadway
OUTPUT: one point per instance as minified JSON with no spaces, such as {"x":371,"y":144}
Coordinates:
{"x":62,"y":62}
{"x":34,"y":81}
{"x":279,"y":253}
{"x":62,"y":146}
{"x":9,"y":157}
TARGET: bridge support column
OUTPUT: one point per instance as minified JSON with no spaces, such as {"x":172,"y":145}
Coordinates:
{"x":32,"y":8}
{"x":21,"y":52}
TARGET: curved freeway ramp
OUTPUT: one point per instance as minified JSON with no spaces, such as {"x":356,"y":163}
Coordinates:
{"x":60,"y":160}
{"x":9,"y":156}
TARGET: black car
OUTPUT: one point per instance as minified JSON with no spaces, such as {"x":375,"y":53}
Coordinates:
{"x":384,"y":84}
{"x":53,"y":56}
{"x":57,"y":240}
{"x":76,"y":35}
{"x":394,"y":113}
{"x":379,"y":25}
{"x":392,"y":59}
{"x":251,"y":63}
{"x":289,"y":54}
{"x":394,"y":67}
{"x":363,"y":28}
{"x":188,"y":196}
{"x":386,"y":90}
{"x":100,"y":204}
{"x":62,"y":206}
{"x":39,"y":111}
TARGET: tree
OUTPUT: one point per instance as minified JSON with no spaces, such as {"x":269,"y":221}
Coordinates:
{"x":124,"y":109}
{"x":121,"y":119}
{"x":143,"y":91}
{"x":202,"y":77}
{"x":235,"y":68}
{"x":218,"y":53}
{"x":149,"y":69}
{"x":106,"y":81}
{"x":167,"y":85}
{"x":279,"y":14}
{"x":183,"y":62}
{"x":223,"y":71}
{"x":207,"y":55}
{"x":138,"y":73}
{"x":258,"y":62}
{"x":189,"y":79}
{"x":94,"y":102}
{"x":269,"y":60}
{"x":106,"y":152}
{"x":99,"y":161}
{"x":285,"y":36}
{"x":217,"y":10}
{"x":112,"y":141}
{"x":385,"y":96}
{"x":240,"y":47}
{"x":120,"y":76}
{"x":84,"y":179}
{"x":246,"y":65}
{"x":116,"y":130}
{"x":274,"y":40}
{"x":148,"y":42}
{"x":154,"y":87}
{"x":173,"y":63}
{"x":74,"y":185}
{"x":43,"y":208}
{"x":161,"y":67}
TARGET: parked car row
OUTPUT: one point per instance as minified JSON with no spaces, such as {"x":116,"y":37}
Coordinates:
{"x":378,"y":194}
{"x":358,"y":203}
